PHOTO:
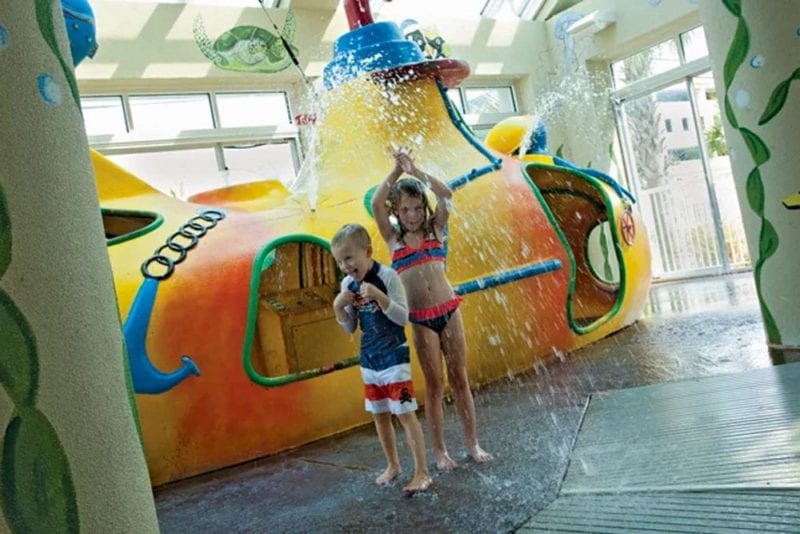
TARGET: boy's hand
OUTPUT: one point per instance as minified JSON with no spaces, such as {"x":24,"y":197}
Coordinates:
{"x":345,"y":298}
{"x":370,"y":292}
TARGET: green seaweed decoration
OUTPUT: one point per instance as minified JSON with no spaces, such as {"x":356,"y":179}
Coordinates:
{"x":5,"y":235}
{"x":36,"y":489}
{"x":778,"y":98}
{"x":37,"y":493}
{"x":768,"y":239}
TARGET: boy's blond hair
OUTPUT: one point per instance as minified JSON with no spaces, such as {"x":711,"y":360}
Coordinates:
{"x":352,"y":232}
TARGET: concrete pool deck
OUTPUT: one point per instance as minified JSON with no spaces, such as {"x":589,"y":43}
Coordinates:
{"x":691,"y":329}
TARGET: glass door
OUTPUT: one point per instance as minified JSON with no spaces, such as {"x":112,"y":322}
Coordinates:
{"x":677,"y":162}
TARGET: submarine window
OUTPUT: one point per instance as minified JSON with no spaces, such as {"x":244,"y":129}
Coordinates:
{"x":296,"y":327}
{"x":122,"y":225}
{"x":579,"y":209}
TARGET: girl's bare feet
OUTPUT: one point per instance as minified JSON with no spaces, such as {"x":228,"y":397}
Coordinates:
{"x":388,"y":475}
{"x":420,"y":482}
{"x":444,"y":462}
{"x":480,"y":455}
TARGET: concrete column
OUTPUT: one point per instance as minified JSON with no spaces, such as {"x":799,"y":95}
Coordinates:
{"x":71,"y":455}
{"x":755,"y":52}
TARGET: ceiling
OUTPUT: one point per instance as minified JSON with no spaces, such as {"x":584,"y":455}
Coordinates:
{"x":549,"y":7}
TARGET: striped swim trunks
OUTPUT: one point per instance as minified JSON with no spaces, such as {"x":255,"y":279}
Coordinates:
{"x":387,"y":382}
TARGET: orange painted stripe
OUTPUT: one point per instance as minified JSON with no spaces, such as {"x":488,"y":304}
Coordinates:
{"x":393,"y":391}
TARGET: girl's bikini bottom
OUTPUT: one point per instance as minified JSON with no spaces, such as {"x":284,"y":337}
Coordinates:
{"x":436,"y":317}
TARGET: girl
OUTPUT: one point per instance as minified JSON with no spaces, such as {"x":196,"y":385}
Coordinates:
{"x":418,"y":255}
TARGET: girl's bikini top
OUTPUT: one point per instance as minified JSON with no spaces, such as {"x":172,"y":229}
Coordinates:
{"x":431,"y":249}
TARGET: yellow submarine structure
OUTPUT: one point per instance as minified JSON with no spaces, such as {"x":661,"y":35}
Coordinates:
{"x":232,"y":344}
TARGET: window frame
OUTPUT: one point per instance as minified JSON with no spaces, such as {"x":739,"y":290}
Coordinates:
{"x":484,"y":121}
{"x":133,"y":142}
{"x":463,"y":92}
{"x":686,"y":71}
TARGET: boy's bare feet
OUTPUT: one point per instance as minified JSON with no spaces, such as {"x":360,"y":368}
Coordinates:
{"x":444,"y":462}
{"x":388,"y":475}
{"x":420,"y":482}
{"x":480,"y":455}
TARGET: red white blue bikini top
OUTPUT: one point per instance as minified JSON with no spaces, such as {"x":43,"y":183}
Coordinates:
{"x":430,"y":250}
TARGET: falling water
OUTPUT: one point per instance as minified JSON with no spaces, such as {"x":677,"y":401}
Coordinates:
{"x":306,"y":184}
{"x":529,"y":420}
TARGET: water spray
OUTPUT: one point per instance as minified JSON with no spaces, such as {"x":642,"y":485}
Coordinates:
{"x":288,"y":48}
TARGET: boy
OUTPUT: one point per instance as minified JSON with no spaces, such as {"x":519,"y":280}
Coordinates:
{"x":373,"y":296}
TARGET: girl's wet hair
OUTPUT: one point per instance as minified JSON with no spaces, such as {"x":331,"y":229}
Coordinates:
{"x":413,"y":188}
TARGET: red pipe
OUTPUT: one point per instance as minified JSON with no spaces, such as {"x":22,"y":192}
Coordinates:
{"x":358,"y":13}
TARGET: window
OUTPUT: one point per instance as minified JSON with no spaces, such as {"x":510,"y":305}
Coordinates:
{"x":242,"y":3}
{"x":159,"y":114}
{"x":262,"y":161}
{"x":192,"y":132}
{"x":455,"y":98}
{"x":103,"y":115}
{"x":685,"y":194}
{"x":252,"y":109}
{"x":494,"y":9}
{"x":693,"y":44}
{"x":511,"y":9}
{"x":439,"y":8}
{"x":684,"y":154}
{"x":180,"y":173}
{"x":654,"y":60}
{"x":489,"y":100}
{"x":499,"y":99}
{"x":481,"y":133}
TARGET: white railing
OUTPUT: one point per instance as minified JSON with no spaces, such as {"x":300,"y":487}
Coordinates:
{"x":680,"y":224}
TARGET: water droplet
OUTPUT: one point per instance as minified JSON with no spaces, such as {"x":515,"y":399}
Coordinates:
{"x":49,"y":90}
{"x":3,"y":37}
{"x":757,"y":61}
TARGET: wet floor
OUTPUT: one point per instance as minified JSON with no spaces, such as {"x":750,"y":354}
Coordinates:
{"x":689,"y":329}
